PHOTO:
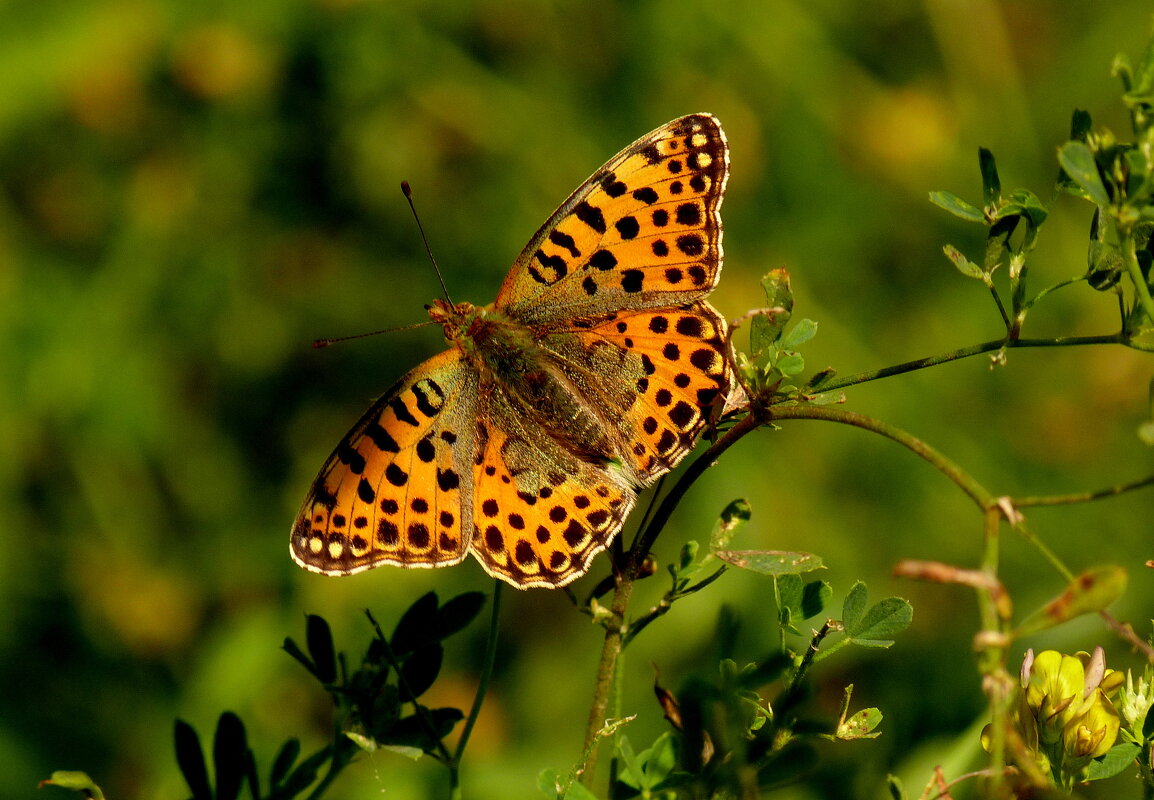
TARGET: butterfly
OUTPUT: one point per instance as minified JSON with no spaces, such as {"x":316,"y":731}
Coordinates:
{"x":590,"y":376}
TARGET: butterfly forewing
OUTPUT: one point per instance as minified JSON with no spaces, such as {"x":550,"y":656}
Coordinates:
{"x":644,"y":231}
{"x":391,"y":493}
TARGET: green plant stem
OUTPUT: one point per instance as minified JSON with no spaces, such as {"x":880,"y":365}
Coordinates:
{"x":662,"y":608}
{"x":644,"y":541}
{"x":966,"y":352}
{"x":1084,"y":497}
{"x":606,"y":672}
{"x":1141,"y":290}
{"x":421,"y":712}
{"x":807,"y":661}
{"x":482,"y":689}
{"x":979,"y":494}
{"x":616,"y":628}
{"x":992,"y":652}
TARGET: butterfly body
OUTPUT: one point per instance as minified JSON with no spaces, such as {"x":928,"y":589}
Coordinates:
{"x":589,"y":376}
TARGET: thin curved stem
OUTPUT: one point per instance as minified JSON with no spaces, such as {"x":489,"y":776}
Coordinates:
{"x":482,"y":690}
{"x":1084,"y":497}
{"x":978,"y":493}
{"x":645,"y":538}
{"x":1141,"y":290}
{"x":966,"y":352}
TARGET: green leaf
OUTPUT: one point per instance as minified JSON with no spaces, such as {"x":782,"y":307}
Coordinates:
{"x":549,"y":781}
{"x":771,"y":562}
{"x":732,"y":518}
{"x":577,"y":791}
{"x":632,"y":775}
{"x":319,"y":639}
{"x":1078,"y":161}
{"x":853,"y":608}
{"x":422,"y":730}
{"x":790,"y":365}
{"x":412,"y":753}
{"x":76,"y":781}
{"x":1027,"y":204}
{"x":820,"y":377}
{"x":766,"y":326}
{"x":991,"y":184}
{"x":963,"y":264}
{"x":815,"y":597}
{"x":998,"y":240}
{"x":686,"y":558}
{"x":190,"y":759}
{"x":878,"y":625}
{"x":1089,"y":592}
{"x":660,"y":759}
{"x":799,"y":334}
{"x":1117,"y":758}
{"x":1142,"y":78}
{"x":765,"y":671}
{"x":789,"y":588}
{"x":778,"y":293}
{"x":957,"y":206}
{"x":445,"y":719}
{"x":861,"y":725}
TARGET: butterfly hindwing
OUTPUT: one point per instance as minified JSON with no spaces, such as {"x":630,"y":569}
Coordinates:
{"x":541,"y":513}
{"x":670,"y":374}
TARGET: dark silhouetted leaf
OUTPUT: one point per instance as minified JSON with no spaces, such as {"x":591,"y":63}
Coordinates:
{"x":415,"y":626}
{"x":420,"y":670}
{"x":190,"y":758}
{"x":229,"y":756}
{"x":284,"y":761}
{"x":294,"y":650}
{"x":991,"y":183}
{"x":458,"y":612}
{"x":320,"y":643}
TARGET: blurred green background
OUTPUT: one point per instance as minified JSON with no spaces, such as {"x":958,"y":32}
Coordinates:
{"x":191,"y":193}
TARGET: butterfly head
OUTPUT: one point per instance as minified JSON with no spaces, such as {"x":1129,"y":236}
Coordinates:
{"x":458,"y":319}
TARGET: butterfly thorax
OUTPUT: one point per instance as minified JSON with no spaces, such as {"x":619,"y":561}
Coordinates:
{"x":517,"y":372}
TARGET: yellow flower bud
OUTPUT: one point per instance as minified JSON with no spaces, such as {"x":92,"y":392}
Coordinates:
{"x":1054,"y":692}
{"x":1092,"y":733}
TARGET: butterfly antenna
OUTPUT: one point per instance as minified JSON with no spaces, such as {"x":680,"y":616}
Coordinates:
{"x":408,"y":192}
{"x":319,"y":343}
